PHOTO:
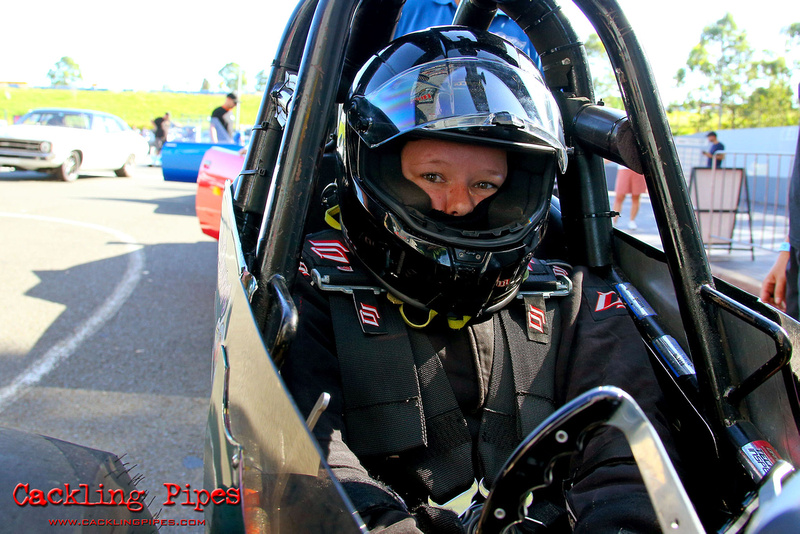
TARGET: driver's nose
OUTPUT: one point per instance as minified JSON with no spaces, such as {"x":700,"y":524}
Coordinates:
{"x":459,"y":201}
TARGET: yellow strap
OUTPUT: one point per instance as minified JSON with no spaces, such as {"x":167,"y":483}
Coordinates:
{"x":331,"y":217}
{"x":458,"y":324}
{"x":393,"y":299}
{"x":452,"y":322}
{"x":431,"y":315}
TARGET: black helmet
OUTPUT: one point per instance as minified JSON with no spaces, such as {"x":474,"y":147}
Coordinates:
{"x":459,"y":85}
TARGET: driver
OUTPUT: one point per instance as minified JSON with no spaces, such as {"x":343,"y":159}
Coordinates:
{"x":424,"y":314}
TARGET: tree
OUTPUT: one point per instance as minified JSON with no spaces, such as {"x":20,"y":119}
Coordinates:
{"x":233,"y":77}
{"x":723,"y":60}
{"x":65,"y":72}
{"x":792,"y":33}
{"x":261,"y":80}
{"x":770,"y":104}
{"x":206,"y":87}
{"x":603,"y":80}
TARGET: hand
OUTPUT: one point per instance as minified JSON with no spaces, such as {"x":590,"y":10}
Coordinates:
{"x":773,"y":288}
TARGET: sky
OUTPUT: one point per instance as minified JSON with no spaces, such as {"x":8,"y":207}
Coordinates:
{"x":175,"y":44}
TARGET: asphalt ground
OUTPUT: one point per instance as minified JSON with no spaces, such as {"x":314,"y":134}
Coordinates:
{"x":107,"y":322}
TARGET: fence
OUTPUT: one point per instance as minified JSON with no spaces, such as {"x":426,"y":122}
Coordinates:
{"x":759,"y":215}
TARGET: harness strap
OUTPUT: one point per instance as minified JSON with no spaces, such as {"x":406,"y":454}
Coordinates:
{"x":382,"y":398}
{"x":499,"y":434}
{"x":397,"y":397}
{"x":521,"y":388}
{"x":449,"y":451}
{"x":534,"y":369}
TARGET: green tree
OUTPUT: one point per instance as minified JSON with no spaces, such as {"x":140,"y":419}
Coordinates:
{"x":261,"y":80}
{"x":603,"y":79}
{"x":792,"y":33}
{"x":233,"y":77}
{"x":722,"y":59}
{"x":64,"y":73}
{"x":206,"y":86}
{"x":771,"y":103}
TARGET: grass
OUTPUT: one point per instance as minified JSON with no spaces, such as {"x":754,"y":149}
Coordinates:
{"x":137,"y":108}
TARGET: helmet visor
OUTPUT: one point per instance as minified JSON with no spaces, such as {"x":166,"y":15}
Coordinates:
{"x":454,"y":94}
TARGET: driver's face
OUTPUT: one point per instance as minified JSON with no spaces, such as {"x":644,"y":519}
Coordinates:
{"x":456,"y":176}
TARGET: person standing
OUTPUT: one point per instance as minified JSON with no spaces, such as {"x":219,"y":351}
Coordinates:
{"x":161,"y":130}
{"x":222,"y":120}
{"x":781,"y":286}
{"x":715,"y":152}
{"x":628,"y":183}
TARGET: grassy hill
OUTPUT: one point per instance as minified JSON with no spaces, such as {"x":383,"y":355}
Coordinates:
{"x":137,"y":108}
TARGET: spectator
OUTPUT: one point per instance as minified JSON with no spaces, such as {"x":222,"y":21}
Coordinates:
{"x":715,"y":152}
{"x":222,"y":120}
{"x":628,"y":183}
{"x":782,"y":284}
{"x":161,"y":130}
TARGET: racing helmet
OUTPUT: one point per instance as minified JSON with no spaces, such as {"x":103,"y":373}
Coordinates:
{"x":463,"y":86}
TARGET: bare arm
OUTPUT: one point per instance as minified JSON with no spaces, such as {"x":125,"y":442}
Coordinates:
{"x":773,"y":288}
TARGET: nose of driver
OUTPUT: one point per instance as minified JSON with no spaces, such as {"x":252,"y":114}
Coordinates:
{"x":459,"y":201}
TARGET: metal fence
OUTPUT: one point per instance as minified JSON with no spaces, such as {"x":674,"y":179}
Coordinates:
{"x":754,"y":216}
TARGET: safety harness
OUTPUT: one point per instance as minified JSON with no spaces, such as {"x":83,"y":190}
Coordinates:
{"x":397,"y":396}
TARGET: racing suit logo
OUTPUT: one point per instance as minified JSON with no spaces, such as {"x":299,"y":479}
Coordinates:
{"x":330,"y":250}
{"x":603,"y":302}
{"x":608,"y":300}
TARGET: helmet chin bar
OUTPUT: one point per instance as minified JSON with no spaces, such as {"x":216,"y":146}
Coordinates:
{"x":530,"y":468}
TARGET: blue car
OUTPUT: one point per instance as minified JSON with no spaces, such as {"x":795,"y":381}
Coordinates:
{"x":180,"y":160}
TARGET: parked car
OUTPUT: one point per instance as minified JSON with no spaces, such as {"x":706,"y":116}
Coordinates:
{"x":180,"y":161}
{"x":181,"y":156}
{"x":65,"y":141}
{"x":220,"y":167}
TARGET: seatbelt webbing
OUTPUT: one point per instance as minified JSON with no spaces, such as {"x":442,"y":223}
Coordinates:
{"x":382,"y":399}
{"x":449,"y":451}
{"x":534,"y":367}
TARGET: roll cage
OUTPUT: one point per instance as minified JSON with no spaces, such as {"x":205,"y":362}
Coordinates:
{"x":735,"y":398}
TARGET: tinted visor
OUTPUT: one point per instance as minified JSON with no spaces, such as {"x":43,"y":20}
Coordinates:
{"x":453,"y":94}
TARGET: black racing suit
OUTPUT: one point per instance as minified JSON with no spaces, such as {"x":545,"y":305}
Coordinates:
{"x":597,"y":346}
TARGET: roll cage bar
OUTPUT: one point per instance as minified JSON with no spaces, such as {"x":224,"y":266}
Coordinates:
{"x":310,"y":76}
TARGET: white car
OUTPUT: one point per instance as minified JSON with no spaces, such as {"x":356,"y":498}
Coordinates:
{"x":64,"y":141}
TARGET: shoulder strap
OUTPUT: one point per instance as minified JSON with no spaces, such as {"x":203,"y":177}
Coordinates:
{"x":521,"y":387}
{"x":397,"y":397}
{"x":534,"y":367}
{"x":382,"y":415}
